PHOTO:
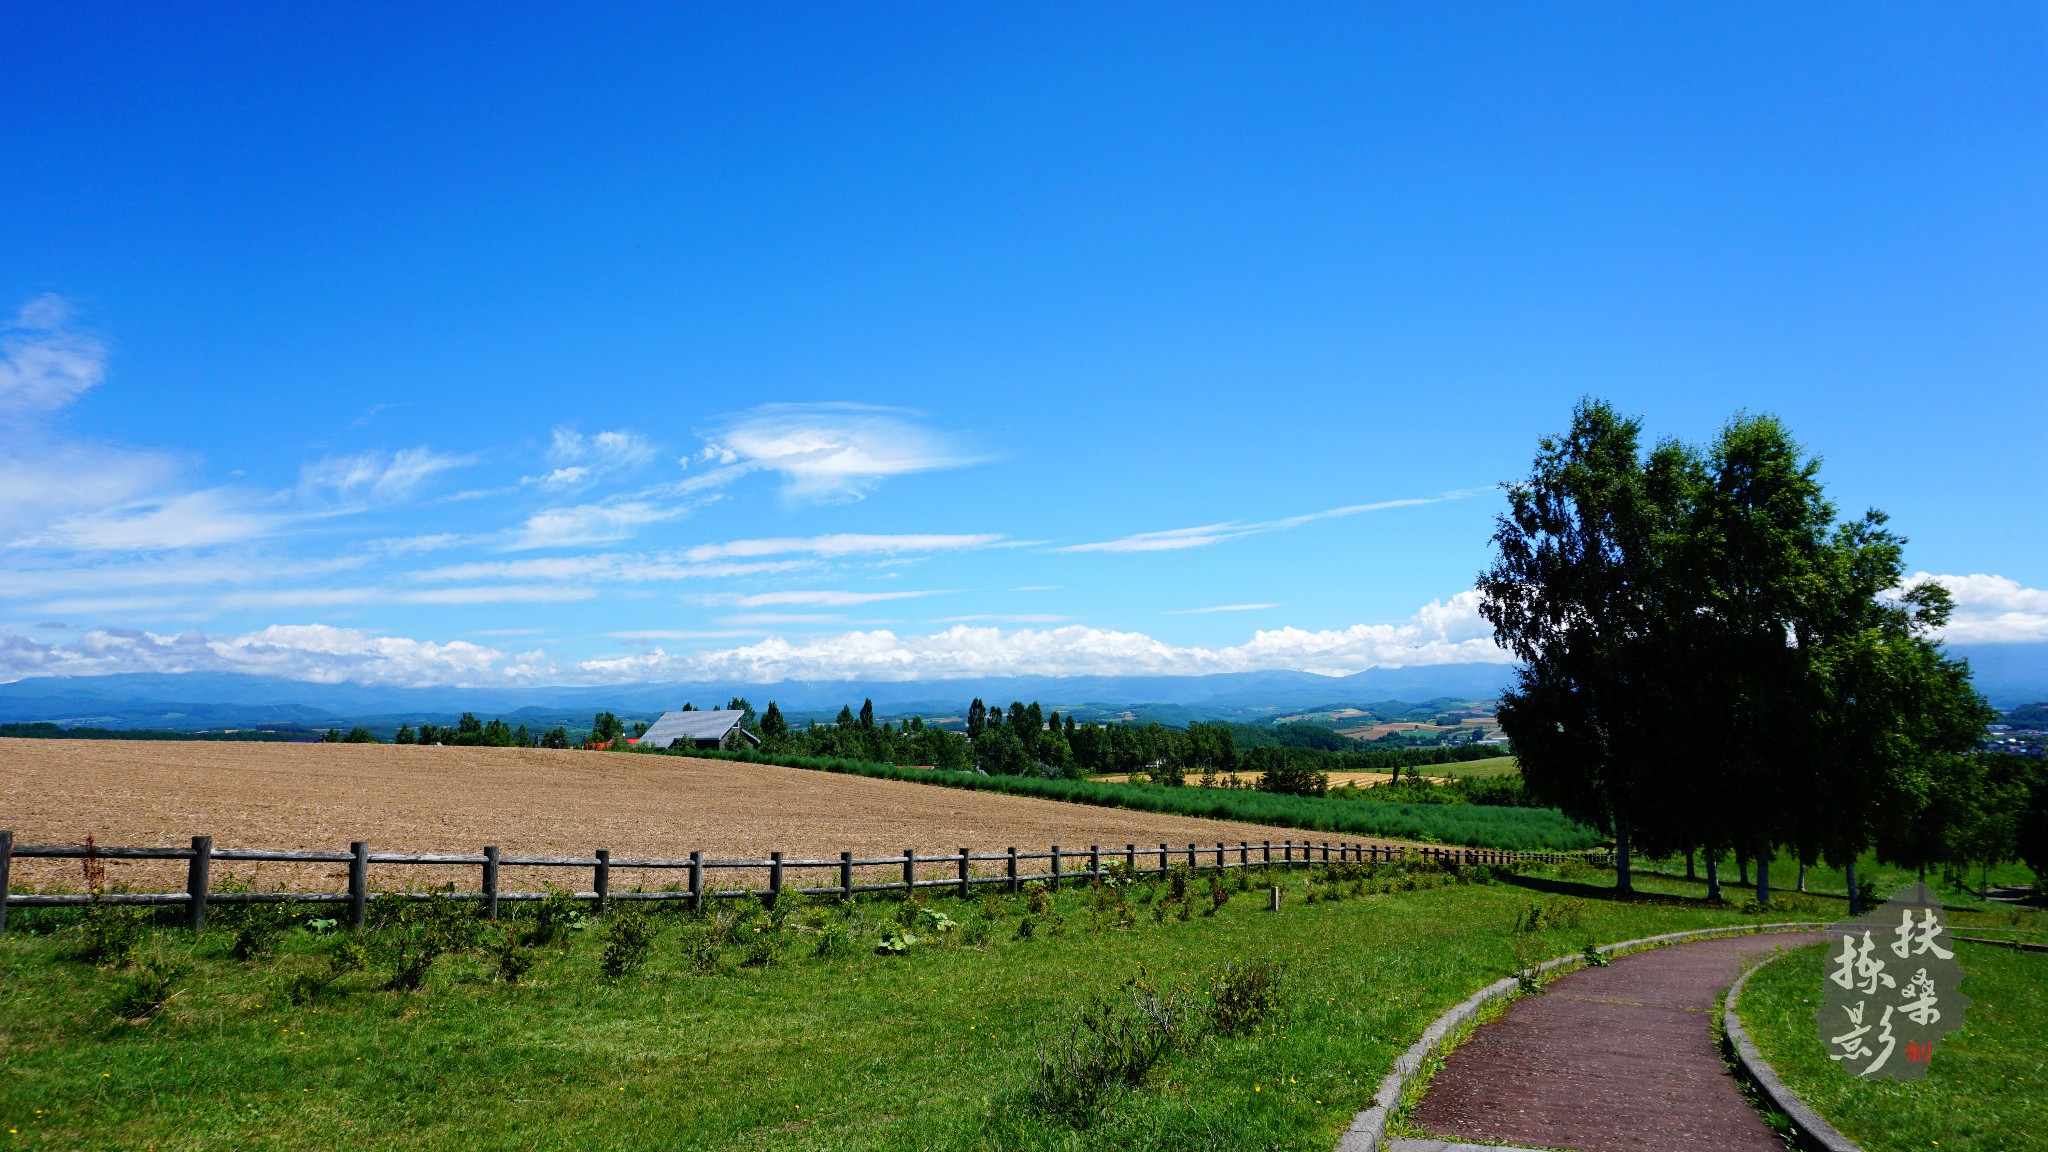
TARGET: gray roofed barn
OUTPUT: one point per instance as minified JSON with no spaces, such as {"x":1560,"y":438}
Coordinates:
{"x":720,"y":729}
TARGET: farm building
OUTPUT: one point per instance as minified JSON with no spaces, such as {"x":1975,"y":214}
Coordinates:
{"x":719,"y":729}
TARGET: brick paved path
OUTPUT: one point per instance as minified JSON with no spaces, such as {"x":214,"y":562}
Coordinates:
{"x":1614,"y":1059}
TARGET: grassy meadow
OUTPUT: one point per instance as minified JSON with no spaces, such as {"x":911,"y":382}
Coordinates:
{"x":1987,"y":1089}
{"x":1474,"y":825}
{"x":730,"y":1037}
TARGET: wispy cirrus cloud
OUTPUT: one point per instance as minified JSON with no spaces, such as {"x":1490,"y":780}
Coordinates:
{"x":616,"y":567}
{"x":819,"y":597}
{"x":1220,"y":608}
{"x":845,"y":544}
{"x":831,"y":452}
{"x":579,"y":459}
{"x":1201,"y":536}
{"x":379,"y":476}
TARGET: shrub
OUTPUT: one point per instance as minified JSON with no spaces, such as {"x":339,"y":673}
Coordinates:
{"x":895,"y":941}
{"x":1037,"y":900}
{"x":508,"y":954}
{"x":979,"y":932}
{"x":1592,"y":955}
{"x":1108,"y":1046}
{"x":1241,"y":995}
{"x":142,"y":993}
{"x":835,"y":940}
{"x":109,"y":935}
{"x":254,"y":929}
{"x":628,"y":934}
{"x":413,"y":932}
{"x":555,"y":915}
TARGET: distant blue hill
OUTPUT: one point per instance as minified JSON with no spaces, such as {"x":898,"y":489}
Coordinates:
{"x":214,"y":700}
{"x":2008,"y":674}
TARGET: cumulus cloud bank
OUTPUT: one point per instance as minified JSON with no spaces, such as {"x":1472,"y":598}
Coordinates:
{"x":1991,"y":609}
{"x":1442,"y":632}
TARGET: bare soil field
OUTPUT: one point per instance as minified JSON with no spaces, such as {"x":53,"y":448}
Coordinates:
{"x":528,"y":801}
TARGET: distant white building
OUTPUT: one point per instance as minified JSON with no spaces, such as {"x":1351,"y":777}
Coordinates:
{"x":720,"y":729}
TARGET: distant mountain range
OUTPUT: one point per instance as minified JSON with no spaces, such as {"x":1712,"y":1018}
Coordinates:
{"x":2009,"y":674}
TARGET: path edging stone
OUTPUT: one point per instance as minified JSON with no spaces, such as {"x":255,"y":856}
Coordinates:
{"x":1812,"y":1130}
{"x":1369,"y":1128}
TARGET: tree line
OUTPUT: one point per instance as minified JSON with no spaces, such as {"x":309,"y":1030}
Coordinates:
{"x":1713,"y":661}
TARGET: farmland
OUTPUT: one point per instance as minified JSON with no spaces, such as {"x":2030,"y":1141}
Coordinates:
{"x":526,"y":800}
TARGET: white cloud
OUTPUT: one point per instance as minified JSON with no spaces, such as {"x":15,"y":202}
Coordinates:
{"x":1005,"y":618}
{"x":183,"y":520}
{"x":621,"y":567}
{"x":1174,"y":539}
{"x":1221,"y":608}
{"x":831,"y":451}
{"x":44,"y":365}
{"x":844,"y":544}
{"x":590,"y":523}
{"x":314,"y":652}
{"x":379,"y":476}
{"x":1991,"y":609}
{"x":584,"y":458}
{"x":818,"y":597}
{"x":1442,"y":632}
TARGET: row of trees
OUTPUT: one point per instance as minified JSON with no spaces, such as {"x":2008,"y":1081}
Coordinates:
{"x":1712,"y":661}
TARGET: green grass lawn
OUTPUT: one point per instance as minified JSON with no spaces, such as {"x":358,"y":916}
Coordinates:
{"x":934,"y":1048}
{"x":1489,"y":767}
{"x":1986,"y":1091}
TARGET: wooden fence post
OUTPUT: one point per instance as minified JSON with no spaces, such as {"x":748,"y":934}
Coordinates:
{"x":6,"y":861}
{"x":1193,"y":864}
{"x":846,"y":876}
{"x":696,"y":881}
{"x":358,"y":882}
{"x":909,"y":873}
{"x":1014,"y":886}
{"x":490,"y":881}
{"x":1287,"y":851}
{"x":1244,"y":854}
{"x":1055,"y":867}
{"x":1165,"y":860}
{"x":602,"y":882}
{"x":1220,"y":865}
{"x":1269,"y":851}
{"x":774,"y":878}
{"x":1326,"y":851}
{"x":197,"y":879}
{"x":964,"y":886}
{"x":1095,"y":863}
{"x":1131,"y":858}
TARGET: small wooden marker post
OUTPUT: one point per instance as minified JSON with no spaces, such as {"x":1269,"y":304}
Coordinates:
{"x":602,"y":881}
{"x":490,"y":881}
{"x":1275,"y":905}
{"x":6,"y":861}
{"x":964,"y":887}
{"x":358,"y":882}
{"x":696,"y":881}
{"x":846,"y":876}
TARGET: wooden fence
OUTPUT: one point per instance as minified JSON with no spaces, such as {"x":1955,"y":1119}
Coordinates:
{"x":955,"y":871}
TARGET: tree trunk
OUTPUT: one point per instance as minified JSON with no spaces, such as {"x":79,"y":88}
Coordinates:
{"x":1763,"y":874}
{"x":1802,"y":875}
{"x":1742,"y":868}
{"x":1622,"y":881}
{"x":1714,"y":875}
{"x":1855,"y":903}
{"x":1690,"y":874}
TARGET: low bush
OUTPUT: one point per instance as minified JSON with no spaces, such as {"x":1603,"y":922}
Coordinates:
{"x":628,"y":935}
{"x":1108,"y":1046}
{"x":142,"y":993}
{"x":110,"y":935}
{"x":1243,"y":994}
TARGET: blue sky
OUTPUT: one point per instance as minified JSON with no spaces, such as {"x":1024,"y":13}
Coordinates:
{"x":515,"y":343}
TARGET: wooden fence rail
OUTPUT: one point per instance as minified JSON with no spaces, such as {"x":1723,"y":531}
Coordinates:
{"x":1062,"y":866}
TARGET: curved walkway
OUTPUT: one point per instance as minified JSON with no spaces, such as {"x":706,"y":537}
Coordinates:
{"x":1614,"y":1059}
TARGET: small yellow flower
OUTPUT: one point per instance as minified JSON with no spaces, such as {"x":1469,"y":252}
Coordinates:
{"x":1258,"y":1088}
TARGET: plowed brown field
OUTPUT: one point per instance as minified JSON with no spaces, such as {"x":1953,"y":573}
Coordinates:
{"x":526,"y":801}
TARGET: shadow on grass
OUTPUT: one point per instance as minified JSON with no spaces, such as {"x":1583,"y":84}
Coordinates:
{"x":1606,"y":891}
